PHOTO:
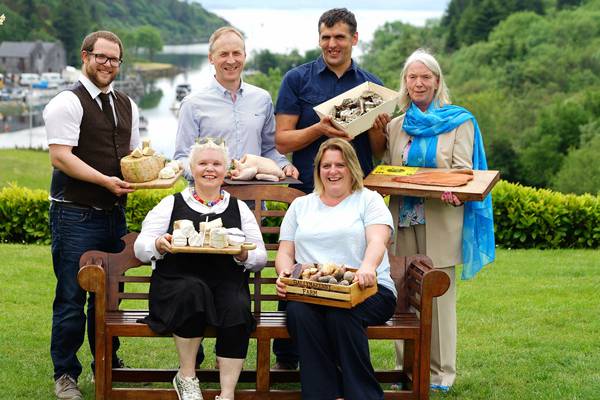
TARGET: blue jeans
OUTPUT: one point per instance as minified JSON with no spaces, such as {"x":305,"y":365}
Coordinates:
{"x":334,"y":348}
{"x":75,"y":230}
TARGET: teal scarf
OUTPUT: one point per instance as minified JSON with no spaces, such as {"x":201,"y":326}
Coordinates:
{"x":478,"y":248}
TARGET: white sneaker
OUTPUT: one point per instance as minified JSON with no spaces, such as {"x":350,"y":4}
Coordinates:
{"x":187,"y":388}
{"x":221,"y":398}
{"x":66,"y":388}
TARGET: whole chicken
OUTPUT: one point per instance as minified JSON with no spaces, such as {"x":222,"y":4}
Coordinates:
{"x":251,"y":166}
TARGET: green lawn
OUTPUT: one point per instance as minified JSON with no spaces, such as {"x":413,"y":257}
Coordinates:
{"x":529,"y":328}
{"x":27,"y":168}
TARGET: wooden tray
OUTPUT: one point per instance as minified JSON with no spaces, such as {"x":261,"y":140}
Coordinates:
{"x":475,"y":190}
{"x":233,"y":250}
{"x":287,"y":181}
{"x":326,"y":294}
{"x":157,"y":183}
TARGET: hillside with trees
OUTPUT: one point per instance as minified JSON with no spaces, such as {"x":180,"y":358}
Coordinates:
{"x":69,"y":21}
{"x":528,"y":70}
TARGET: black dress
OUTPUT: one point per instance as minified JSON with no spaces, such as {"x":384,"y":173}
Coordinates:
{"x":211,"y":286}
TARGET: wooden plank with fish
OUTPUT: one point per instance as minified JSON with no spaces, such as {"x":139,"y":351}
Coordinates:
{"x":467,"y":185}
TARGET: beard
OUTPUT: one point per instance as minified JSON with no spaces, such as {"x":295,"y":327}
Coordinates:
{"x":100,"y":81}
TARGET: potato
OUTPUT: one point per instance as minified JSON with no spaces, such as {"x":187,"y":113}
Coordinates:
{"x":328,"y":268}
{"x":332,"y":281}
{"x":339,"y":273}
{"x":349,"y":276}
{"x":344,"y":283}
{"x":315,"y":277}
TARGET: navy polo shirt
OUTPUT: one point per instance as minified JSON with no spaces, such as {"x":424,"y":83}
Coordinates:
{"x":309,"y":85}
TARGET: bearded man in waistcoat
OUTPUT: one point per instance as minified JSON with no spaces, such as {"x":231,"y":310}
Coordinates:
{"x":90,"y":127}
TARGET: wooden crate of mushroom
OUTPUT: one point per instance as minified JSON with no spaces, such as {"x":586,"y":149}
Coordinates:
{"x":326,"y":284}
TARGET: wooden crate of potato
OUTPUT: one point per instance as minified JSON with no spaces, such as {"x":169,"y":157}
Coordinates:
{"x":326,"y":284}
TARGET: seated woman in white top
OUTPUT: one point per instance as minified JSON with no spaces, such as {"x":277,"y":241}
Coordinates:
{"x":343,"y":223}
{"x":190,"y":291}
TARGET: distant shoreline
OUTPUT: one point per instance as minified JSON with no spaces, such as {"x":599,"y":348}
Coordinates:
{"x":154,"y":69}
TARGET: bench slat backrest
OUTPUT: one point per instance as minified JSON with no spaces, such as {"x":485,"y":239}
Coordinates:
{"x":269,"y":222}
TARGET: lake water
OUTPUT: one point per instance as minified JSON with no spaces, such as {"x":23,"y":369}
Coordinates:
{"x":277,"y":30}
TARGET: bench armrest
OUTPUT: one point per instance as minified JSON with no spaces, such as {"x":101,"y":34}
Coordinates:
{"x":91,"y":275}
{"x":434,"y":281}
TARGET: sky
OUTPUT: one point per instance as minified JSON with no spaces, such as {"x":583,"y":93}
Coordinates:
{"x":439,"y":5}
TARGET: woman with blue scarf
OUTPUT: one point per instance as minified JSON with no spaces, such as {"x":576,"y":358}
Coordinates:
{"x":433,"y":133}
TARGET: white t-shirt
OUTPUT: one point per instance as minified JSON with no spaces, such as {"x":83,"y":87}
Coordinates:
{"x":337,"y":234}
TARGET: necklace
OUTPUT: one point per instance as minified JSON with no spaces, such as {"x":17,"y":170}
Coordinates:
{"x":208,"y":203}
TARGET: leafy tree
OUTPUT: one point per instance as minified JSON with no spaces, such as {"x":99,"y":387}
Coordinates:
{"x":270,"y":81}
{"x":503,"y":157}
{"x":563,"y":121}
{"x":540,"y":160}
{"x":14,"y":28}
{"x":264,"y":60}
{"x":471,"y":21}
{"x":72,"y":23}
{"x":478,"y":21}
{"x":561,"y":4}
{"x":580,"y":171}
{"x":148,"y":37}
{"x":392,"y":44}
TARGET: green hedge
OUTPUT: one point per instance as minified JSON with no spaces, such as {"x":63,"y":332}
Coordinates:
{"x":524,"y":217}
{"x":24,"y":215}
{"x":538,"y":218}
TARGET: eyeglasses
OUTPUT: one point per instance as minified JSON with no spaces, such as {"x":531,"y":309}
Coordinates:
{"x":102,"y":59}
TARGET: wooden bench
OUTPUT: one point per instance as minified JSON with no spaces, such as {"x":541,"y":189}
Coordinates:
{"x":105,"y":275}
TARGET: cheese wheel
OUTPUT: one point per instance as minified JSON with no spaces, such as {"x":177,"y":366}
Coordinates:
{"x":141,"y":169}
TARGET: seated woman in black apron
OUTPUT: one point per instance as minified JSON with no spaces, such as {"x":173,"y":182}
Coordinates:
{"x":190,"y":291}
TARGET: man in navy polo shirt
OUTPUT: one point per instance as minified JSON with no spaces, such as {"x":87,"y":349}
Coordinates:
{"x":299,"y":129}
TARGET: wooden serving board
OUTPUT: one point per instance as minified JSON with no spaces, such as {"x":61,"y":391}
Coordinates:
{"x":475,"y":190}
{"x":157,"y":183}
{"x":233,"y":250}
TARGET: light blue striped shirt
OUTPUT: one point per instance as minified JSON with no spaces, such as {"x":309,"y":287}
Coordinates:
{"x":247,"y":125}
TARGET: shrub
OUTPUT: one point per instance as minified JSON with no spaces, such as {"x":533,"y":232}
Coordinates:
{"x":524,"y":217}
{"x":24,"y":215}
{"x":539,"y":218}
{"x":141,"y":202}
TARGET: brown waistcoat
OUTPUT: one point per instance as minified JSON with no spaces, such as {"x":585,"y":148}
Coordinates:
{"x":100,"y":146}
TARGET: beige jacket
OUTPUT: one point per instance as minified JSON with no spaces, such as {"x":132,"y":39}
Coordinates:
{"x":443,"y":222}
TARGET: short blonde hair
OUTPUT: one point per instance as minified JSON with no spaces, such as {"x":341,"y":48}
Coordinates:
{"x":198,"y":148}
{"x":220,"y":32}
{"x":349,"y":156}
{"x":442,"y":95}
